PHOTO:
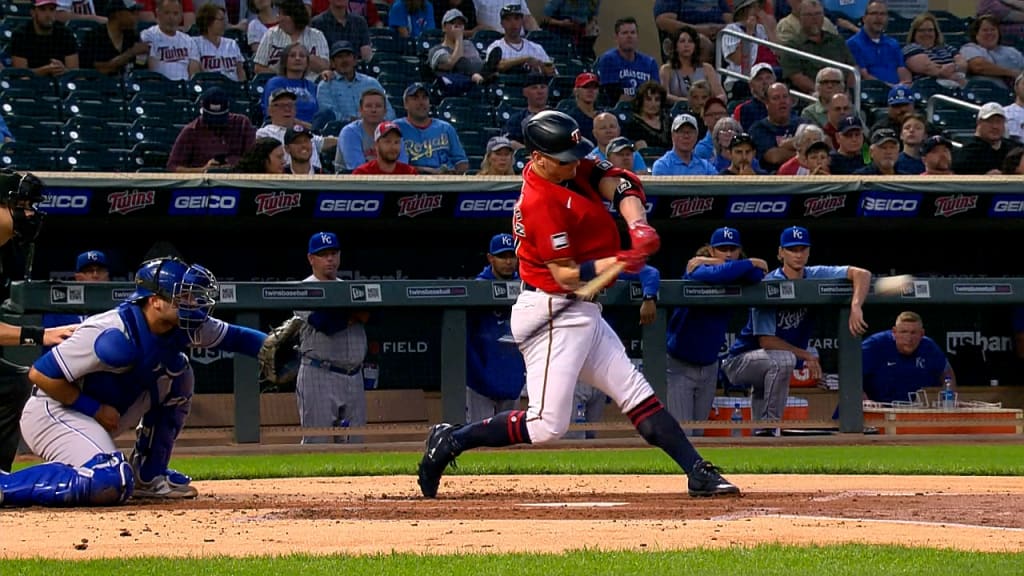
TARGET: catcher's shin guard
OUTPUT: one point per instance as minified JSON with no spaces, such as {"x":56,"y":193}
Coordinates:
{"x":156,"y":435}
{"x":105,"y":480}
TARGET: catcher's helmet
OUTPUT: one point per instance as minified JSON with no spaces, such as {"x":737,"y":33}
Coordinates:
{"x":556,"y":134}
{"x":195,"y":297}
{"x":158,"y":277}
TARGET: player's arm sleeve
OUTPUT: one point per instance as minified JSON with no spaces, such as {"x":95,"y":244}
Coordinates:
{"x":721,"y":273}
{"x":827,"y":272}
{"x":235,"y":338}
{"x":762,"y":320}
{"x":650,"y":281}
{"x":74,"y":357}
{"x":329,"y":321}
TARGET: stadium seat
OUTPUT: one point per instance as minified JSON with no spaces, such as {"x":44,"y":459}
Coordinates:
{"x":681,"y":107}
{"x":473,"y":142}
{"x":428,"y":39}
{"x":38,"y":109}
{"x":571,"y":68}
{"x":147,"y":155}
{"x":167,"y":110}
{"x":88,"y":81}
{"x":519,"y":159}
{"x":93,"y":106}
{"x":155,"y":83}
{"x":484,"y":38}
{"x":25,"y":156}
{"x":147,"y":129}
{"x":650,"y":154}
{"x":949,"y":23}
{"x":332,"y":128}
{"x":384,"y":32}
{"x":256,"y":85}
{"x":40,"y":134}
{"x":560,"y":86}
{"x":504,"y":112}
{"x":205,"y":80}
{"x":407,"y":67}
{"x":981,"y":91}
{"x":27,"y":82}
{"x":623,"y":111}
{"x":873,"y":93}
{"x":394,"y":45}
{"x":565,"y":104}
{"x":18,"y":8}
{"x":925,"y":88}
{"x":94,"y":131}
{"x":954,"y":121}
{"x":84,"y":156}
{"x":81,"y":27}
{"x":11,"y":23}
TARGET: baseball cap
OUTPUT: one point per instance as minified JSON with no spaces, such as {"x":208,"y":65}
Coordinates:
{"x":683,"y":119}
{"x":816,"y":145}
{"x":511,"y":10}
{"x":716,"y":100}
{"x":933,"y":141}
{"x":882,"y":135}
{"x":295,"y":132}
{"x":44,"y":2}
{"x":991,"y":109}
{"x":501,"y":243}
{"x":585,"y":79}
{"x":415,"y":87}
{"x":618,"y":144}
{"x":127,"y":5}
{"x":281,"y":93}
{"x":498,"y":143}
{"x":758,"y":68}
{"x":90,"y":258}
{"x":383,"y":128}
{"x":341,"y":46}
{"x":534,"y":78}
{"x":795,"y":236}
{"x":900,"y":95}
{"x":214,"y":106}
{"x":740,"y":139}
{"x":850,"y":123}
{"x":725,"y":237}
{"x":452,"y":15}
{"x":323,"y":241}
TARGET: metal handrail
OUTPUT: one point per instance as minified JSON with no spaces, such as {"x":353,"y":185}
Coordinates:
{"x":777,"y":48}
{"x":956,"y":102}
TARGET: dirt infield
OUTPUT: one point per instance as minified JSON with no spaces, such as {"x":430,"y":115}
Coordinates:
{"x":365,"y":515}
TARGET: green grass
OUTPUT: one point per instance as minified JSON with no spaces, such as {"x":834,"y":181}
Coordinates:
{"x":981,"y":460}
{"x":773,"y":560}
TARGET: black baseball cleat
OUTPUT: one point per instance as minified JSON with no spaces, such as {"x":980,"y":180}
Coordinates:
{"x":441,"y":450}
{"x":706,"y":480}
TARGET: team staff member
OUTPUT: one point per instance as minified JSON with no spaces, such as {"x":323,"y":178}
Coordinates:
{"x":903,"y":360}
{"x":90,"y":266}
{"x":696,"y":335}
{"x":495,"y":371}
{"x":775,"y":340}
{"x":567,"y":237}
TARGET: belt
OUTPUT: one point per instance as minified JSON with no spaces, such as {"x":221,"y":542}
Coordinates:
{"x":346,"y":369}
{"x":567,"y":295}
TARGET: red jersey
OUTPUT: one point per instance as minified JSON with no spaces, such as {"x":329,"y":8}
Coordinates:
{"x":371,"y":167}
{"x":552,"y":222}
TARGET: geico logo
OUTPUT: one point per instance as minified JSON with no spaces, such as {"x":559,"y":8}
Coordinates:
{"x":211,"y":201}
{"x":349,"y":205}
{"x":890,"y":204}
{"x":1009,"y":206}
{"x":495,"y":205}
{"x":69,"y":201}
{"x":758,"y":207}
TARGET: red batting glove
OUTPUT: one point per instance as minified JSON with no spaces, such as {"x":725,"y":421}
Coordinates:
{"x":644,"y":238}
{"x":634,"y":260}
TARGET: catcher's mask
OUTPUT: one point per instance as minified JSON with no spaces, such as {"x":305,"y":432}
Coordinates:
{"x":195,"y":296}
{"x":22,"y":193}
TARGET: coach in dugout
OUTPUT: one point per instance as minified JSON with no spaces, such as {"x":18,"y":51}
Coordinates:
{"x":903,"y":360}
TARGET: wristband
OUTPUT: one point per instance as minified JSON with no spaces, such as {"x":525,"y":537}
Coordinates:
{"x":86,"y":405}
{"x":31,"y":336}
{"x":588,"y":271}
{"x":651,"y":297}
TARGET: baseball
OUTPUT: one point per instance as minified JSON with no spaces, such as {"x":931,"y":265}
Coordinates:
{"x":892,"y":285}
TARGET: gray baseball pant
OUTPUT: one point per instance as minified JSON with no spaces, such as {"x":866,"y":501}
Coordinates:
{"x":480,"y":407}
{"x":767,"y":372}
{"x":593,"y":401}
{"x":691,"y":390}
{"x":321,"y":394}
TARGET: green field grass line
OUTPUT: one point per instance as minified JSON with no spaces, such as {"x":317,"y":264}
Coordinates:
{"x":770,"y":560}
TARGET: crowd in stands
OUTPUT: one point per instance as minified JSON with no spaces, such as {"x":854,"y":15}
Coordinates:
{"x":199,"y":85}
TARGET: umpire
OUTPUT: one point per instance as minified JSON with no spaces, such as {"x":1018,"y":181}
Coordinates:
{"x":20,"y":222}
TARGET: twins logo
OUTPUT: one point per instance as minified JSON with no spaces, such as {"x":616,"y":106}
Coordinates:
{"x":413,"y":206}
{"x":272,"y":203}
{"x":690,"y":207}
{"x":954,"y":204}
{"x":172,"y":53}
{"x":130,"y":201}
{"x":790,"y":319}
{"x":821,"y":205}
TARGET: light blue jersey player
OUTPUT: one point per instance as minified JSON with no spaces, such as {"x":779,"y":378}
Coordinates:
{"x":120,"y":366}
{"x":775,"y":340}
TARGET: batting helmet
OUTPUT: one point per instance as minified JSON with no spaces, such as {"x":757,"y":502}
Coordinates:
{"x":158,"y":277}
{"x":556,"y":134}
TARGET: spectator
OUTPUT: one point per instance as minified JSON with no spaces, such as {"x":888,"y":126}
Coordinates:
{"x":42,"y":45}
{"x":341,"y":94}
{"x":898,"y":362}
{"x":912,"y":135}
{"x":848,"y":157}
{"x":808,"y":159}
{"x":283,"y":117}
{"x":878,"y":56}
{"x":216,"y":139}
{"x":827,"y":83}
{"x":621,"y":152}
{"x":987,"y":59}
{"x":265,"y":157}
{"x":707,"y":16}
{"x":838,"y":109}
{"x":583,"y":109}
{"x":217,"y":53}
{"x":489,"y":13}
{"x":517,"y":54}
{"x":1014,"y":162}
{"x":623,"y":68}
{"x":928,"y":56}
{"x":236,"y":13}
{"x":684,"y":67}
{"x":338,"y":24}
{"x":984,"y":152}
{"x":455,"y":61}
{"x":651,"y":124}
{"x":186,"y":17}
{"x":750,"y":18}
{"x":365,"y":8}
{"x":495,"y":373}
{"x":700,"y":94}
{"x":575,"y":21}
{"x":411,"y":17}
{"x":356,"y":144}
{"x":1008,"y":13}
{"x":293,"y":27}
{"x":265,"y":16}
{"x":468,"y":12}
{"x":606,"y":129}
{"x":1015,"y":111}
{"x":753,"y":109}
{"x":78,"y":10}
{"x":112,"y":48}
{"x":497,"y":158}
{"x":813,"y":39}
{"x":773,"y":136}
{"x":901,"y":103}
{"x":171,"y":51}
{"x":713,"y":111}
{"x":432,"y":144}
{"x":387,"y":138}
{"x":680,"y":161}
{"x":535,"y":90}
{"x":789,"y":26}
{"x":298,"y":147}
{"x":293,"y":76}
{"x":937,"y":154}
{"x":722,"y":136}
{"x":885,"y":148}
{"x":741,"y":156}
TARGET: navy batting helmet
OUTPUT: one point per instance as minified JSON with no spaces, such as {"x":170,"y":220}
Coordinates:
{"x":556,"y":134}
{"x":158,"y":277}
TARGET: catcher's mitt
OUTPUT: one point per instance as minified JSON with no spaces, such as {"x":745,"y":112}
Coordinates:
{"x":278,"y":357}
